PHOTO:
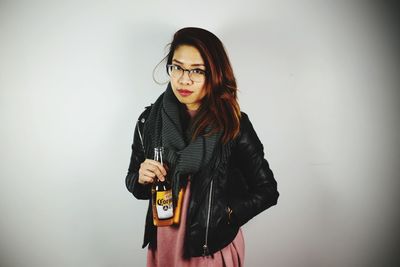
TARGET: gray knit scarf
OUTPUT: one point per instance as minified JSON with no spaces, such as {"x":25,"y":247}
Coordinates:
{"x":183,"y":156}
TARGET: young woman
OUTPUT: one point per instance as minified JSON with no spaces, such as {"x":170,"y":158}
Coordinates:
{"x":212,"y":152}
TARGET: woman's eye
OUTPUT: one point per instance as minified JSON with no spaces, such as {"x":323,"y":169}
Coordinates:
{"x":198,"y":71}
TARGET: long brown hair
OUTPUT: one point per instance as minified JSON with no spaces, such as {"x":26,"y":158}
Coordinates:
{"x":219,"y":107}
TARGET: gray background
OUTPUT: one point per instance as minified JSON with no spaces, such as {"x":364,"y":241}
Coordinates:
{"x":318,"y":80}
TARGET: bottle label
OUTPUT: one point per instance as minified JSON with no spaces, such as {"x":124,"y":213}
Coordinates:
{"x":164,"y":204}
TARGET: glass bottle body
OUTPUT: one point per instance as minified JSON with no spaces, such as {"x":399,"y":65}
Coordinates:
{"x":162,"y":204}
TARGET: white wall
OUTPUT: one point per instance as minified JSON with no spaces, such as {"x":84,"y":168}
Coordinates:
{"x":317,"y":80}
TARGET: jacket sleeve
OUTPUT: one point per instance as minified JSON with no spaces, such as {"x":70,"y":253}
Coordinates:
{"x":140,"y":191}
{"x":261,"y":185}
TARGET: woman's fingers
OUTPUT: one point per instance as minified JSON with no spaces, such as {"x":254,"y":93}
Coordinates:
{"x":145,"y":176}
{"x":148,"y":174}
{"x":157,"y":168}
{"x":158,"y":164}
{"x":146,"y":180}
{"x":149,"y":169}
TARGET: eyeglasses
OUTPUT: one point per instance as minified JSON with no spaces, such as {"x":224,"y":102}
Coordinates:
{"x":196,"y":75}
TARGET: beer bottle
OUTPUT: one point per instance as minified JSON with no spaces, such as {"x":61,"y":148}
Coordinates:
{"x":162,"y":195}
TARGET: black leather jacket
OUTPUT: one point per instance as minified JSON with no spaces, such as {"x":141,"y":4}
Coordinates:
{"x":238,"y":177}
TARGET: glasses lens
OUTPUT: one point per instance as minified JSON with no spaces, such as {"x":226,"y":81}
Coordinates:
{"x":175,"y":71}
{"x":197,"y":76}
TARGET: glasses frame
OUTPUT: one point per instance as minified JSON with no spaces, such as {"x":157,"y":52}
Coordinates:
{"x":190,"y":72}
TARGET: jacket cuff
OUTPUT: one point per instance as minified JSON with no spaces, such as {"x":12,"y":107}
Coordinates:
{"x":239,"y":214}
{"x":141,"y":191}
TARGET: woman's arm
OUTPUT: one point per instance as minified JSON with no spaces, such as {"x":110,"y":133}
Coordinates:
{"x":262,"y":188}
{"x":140,"y":191}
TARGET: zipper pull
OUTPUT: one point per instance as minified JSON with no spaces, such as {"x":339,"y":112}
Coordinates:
{"x":205,"y":251}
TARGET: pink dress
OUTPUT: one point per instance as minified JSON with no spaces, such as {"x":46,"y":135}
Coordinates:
{"x":169,"y":252}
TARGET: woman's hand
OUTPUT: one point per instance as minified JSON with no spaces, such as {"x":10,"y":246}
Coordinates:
{"x":149,"y":170}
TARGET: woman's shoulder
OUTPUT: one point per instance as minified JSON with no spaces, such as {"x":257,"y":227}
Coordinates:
{"x":143,"y":116}
{"x":244,"y":120}
{"x":247,"y":134}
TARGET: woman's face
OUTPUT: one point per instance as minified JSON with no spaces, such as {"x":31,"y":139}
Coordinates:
{"x":188,"y":92}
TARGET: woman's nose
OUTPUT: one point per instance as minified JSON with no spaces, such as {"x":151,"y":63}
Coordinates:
{"x":185,"y":78}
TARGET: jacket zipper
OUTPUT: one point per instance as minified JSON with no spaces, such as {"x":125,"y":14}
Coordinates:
{"x":140,"y":134}
{"x":205,"y":246}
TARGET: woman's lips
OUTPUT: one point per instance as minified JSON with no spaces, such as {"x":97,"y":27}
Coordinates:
{"x":184,"y":92}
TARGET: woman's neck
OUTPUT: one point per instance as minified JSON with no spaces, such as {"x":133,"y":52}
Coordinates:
{"x":191,"y":113}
